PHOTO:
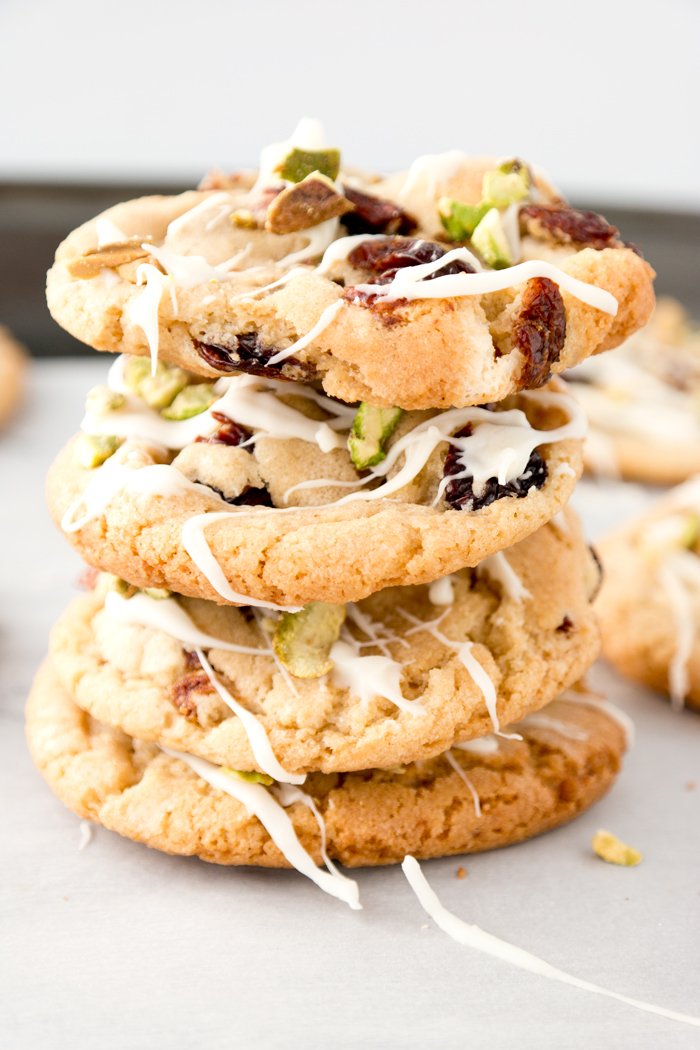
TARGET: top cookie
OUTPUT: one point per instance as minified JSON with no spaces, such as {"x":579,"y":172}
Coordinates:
{"x":306,"y":271}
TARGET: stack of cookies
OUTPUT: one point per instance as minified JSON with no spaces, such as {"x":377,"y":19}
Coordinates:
{"x":337,"y":607}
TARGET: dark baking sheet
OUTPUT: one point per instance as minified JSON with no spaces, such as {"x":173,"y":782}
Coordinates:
{"x":35,"y":217}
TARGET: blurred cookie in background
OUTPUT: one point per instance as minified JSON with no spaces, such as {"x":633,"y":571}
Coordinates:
{"x":14,"y":361}
{"x":643,"y":402}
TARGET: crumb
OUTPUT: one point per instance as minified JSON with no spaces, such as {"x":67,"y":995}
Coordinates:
{"x":691,"y":785}
{"x":461,"y":873}
{"x":607,"y":846}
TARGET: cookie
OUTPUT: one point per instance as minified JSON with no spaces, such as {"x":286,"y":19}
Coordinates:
{"x":526,"y":612}
{"x":365,"y":509}
{"x":515,"y":789}
{"x":13,"y":370}
{"x":649,"y":604}
{"x":338,"y":300}
{"x":641,"y":401}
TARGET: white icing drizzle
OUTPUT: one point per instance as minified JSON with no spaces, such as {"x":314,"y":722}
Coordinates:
{"x":572,"y":696}
{"x":566,"y":729}
{"x":189,"y":270}
{"x":194,"y":542}
{"x":108,"y":233}
{"x":499,"y":568}
{"x":482,"y":745}
{"x":212,"y":201}
{"x":500,"y":446}
{"x":377,"y":633}
{"x":679,"y":576}
{"x":442,"y":592}
{"x":86,"y":833}
{"x":370,"y":677}
{"x":145,"y":308}
{"x":166,"y":614}
{"x":307,"y":135}
{"x":564,"y":470}
{"x":430,"y":171}
{"x":287,"y":795}
{"x":320,"y":236}
{"x":409,"y":284}
{"x":261,"y":803}
{"x":255,"y":731}
{"x":248,"y":400}
{"x":460,"y":772}
{"x":323,"y":322}
{"x":510,"y":218}
{"x":109,"y":278}
{"x":116,"y":475}
{"x":473,"y":937}
{"x":464,"y":654}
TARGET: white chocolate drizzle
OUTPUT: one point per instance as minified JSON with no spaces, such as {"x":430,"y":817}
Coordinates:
{"x":370,"y":677}
{"x":323,"y":322}
{"x":108,"y":232}
{"x":287,"y":795}
{"x":565,"y":729}
{"x":116,"y":476}
{"x":679,"y":576}
{"x":262,"y":804}
{"x":460,"y":772}
{"x":86,"y":833}
{"x":145,"y":308}
{"x":473,"y":937}
{"x":409,"y":282}
{"x":499,"y":569}
{"x":442,"y":592}
{"x":259,"y":742}
{"x":430,"y":171}
{"x":166,"y":614}
{"x":481,"y":745}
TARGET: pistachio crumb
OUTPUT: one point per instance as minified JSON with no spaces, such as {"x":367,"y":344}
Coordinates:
{"x":461,"y":873}
{"x":609,"y":847}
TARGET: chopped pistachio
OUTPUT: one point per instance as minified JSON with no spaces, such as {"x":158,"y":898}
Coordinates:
{"x":93,"y":261}
{"x":299,"y":163}
{"x":371,"y":428}
{"x":91,"y":450}
{"x":311,"y":201}
{"x":111,"y":582}
{"x":102,"y":399}
{"x":460,"y":220}
{"x":158,"y":593}
{"x":157,"y":391}
{"x":251,"y":778}
{"x":191,"y":401}
{"x":244,"y":218}
{"x":607,"y":846}
{"x":489,"y":239}
{"x":507,"y":185}
{"x":303,"y":640}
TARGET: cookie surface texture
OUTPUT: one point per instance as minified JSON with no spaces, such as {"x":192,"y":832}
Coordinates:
{"x":13,"y":369}
{"x":531,"y":647}
{"x":372,"y":817}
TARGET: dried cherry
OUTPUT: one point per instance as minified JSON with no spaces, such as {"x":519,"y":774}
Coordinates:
{"x":247,"y":353}
{"x":375,"y":215}
{"x":460,"y":492}
{"x":568,"y":225}
{"x":539,"y":330}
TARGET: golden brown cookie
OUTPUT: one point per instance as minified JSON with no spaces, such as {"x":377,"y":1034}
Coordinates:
{"x":526,"y":611}
{"x":522,"y":788}
{"x":649,"y":604}
{"x":13,"y":370}
{"x":230,"y":287}
{"x":642,"y":402}
{"x":155,"y":523}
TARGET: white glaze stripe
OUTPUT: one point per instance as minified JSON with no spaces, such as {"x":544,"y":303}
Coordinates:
{"x":323,"y":322}
{"x":460,"y":772}
{"x":474,"y":937}
{"x":258,"y":801}
{"x":260,"y":745}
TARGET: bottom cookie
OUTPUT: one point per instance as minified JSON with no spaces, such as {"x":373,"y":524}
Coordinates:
{"x":489,"y":793}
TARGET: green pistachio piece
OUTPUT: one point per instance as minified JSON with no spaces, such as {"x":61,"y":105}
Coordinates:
{"x":371,"y":429}
{"x":251,"y":778}
{"x":508,"y":185}
{"x":157,"y":391}
{"x":489,"y":239}
{"x":111,"y":582}
{"x":159,"y":593}
{"x":91,"y":450}
{"x":609,"y":848}
{"x":191,"y":401}
{"x":299,"y":163}
{"x":460,"y":220}
{"x":102,"y":399}
{"x":303,"y":640}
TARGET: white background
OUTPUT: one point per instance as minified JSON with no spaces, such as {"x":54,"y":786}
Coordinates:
{"x":604,"y":94}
